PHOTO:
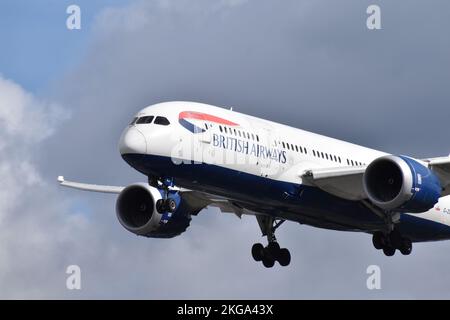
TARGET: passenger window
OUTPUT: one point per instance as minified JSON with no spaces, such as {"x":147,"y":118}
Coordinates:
{"x":162,"y":121}
{"x":257,"y":138}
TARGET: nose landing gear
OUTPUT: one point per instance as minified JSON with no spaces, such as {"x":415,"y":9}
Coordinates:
{"x":272,"y":252}
{"x":166,"y":204}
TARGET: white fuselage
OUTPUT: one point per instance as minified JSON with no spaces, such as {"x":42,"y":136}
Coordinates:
{"x":251,"y":160}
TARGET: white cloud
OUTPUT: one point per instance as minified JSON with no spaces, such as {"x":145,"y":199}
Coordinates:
{"x":23,"y":116}
{"x":33,"y":226}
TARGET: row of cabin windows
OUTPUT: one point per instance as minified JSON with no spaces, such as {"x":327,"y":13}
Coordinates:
{"x":327,"y":156}
{"x":149,"y":119}
{"x":355,"y":163}
{"x":238,"y":133}
{"x":334,"y":158}
{"x":293,"y":147}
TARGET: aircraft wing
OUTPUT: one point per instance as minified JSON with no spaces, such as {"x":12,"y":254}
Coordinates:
{"x":347,"y":182}
{"x":202,"y":200}
{"x":441,"y":167}
{"x":343,"y":182}
{"x":89,"y":187}
{"x":198,"y":200}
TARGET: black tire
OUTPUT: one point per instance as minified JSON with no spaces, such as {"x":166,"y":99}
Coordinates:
{"x":268,"y":262}
{"x":274,"y":249}
{"x":377,"y":240}
{"x":171,"y":205}
{"x":395,"y":239}
{"x":257,"y":251}
{"x":160,"y":206}
{"x":406,"y":247}
{"x":389,"y":251}
{"x":284,"y":257}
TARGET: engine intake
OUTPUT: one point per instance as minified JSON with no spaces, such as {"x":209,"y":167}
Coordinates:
{"x":401,"y":184}
{"x":136,"y":209}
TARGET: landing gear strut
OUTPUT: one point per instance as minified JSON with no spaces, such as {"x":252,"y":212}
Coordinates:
{"x":272,"y":252}
{"x":391,"y":242}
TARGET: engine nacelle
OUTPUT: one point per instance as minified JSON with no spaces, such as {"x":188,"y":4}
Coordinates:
{"x":401,"y":184}
{"x":136,"y":209}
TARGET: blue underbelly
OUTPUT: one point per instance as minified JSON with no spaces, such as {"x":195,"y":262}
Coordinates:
{"x":296,"y":202}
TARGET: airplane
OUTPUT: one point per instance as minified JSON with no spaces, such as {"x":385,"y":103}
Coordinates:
{"x":196,"y":155}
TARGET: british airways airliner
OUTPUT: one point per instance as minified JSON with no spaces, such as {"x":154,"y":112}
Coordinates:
{"x":196,"y":156}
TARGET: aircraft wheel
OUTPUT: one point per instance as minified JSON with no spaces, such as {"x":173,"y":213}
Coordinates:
{"x":171,"y":205}
{"x":389,"y":251}
{"x":273,"y":248}
{"x":268,"y":262}
{"x":284,"y":257}
{"x":406,"y":247}
{"x":258,"y":251}
{"x":377,"y":240}
{"x":160,"y":206}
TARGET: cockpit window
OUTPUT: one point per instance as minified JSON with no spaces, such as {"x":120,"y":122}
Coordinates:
{"x":146,"y":119}
{"x":134,"y":121}
{"x":162,"y":121}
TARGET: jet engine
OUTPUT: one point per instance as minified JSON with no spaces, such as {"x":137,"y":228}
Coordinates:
{"x":140,"y":209}
{"x":398,"y":183}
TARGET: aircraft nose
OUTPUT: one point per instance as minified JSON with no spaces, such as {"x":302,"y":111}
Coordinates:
{"x":132,"y":141}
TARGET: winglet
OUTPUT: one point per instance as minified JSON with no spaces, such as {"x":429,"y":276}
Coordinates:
{"x":60,"y":179}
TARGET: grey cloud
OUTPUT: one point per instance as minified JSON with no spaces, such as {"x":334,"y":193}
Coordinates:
{"x":310,"y":64}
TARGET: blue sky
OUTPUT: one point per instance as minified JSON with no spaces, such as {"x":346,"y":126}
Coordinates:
{"x":37,"y":48}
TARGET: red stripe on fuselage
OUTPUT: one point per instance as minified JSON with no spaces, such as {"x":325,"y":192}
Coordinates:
{"x":206,"y":117}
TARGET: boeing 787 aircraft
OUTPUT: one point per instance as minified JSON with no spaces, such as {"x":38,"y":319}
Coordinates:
{"x":196,"y":156}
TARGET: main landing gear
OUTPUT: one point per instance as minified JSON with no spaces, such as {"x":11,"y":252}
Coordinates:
{"x":391,"y":242}
{"x":272,"y":252}
{"x":390,"y":239}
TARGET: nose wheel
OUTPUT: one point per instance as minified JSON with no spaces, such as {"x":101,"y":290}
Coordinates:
{"x":166,"y":205}
{"x":271,"y":253}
